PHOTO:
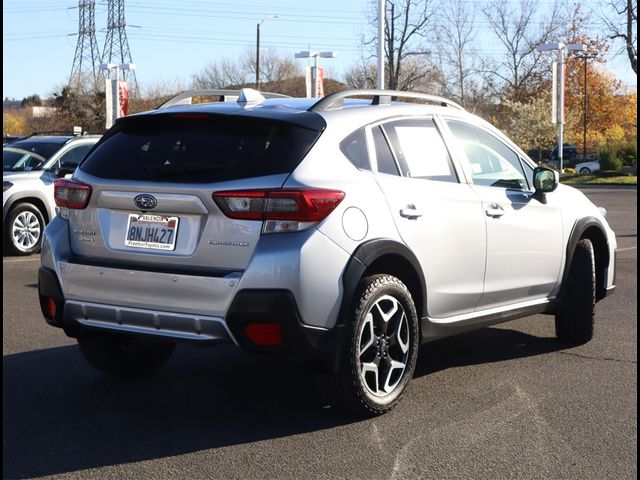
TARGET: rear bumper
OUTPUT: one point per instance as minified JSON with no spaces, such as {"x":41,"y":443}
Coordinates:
{"x":316,"y":345}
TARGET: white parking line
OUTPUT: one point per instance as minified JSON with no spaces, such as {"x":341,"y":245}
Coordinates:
{"x":18,"y":260}
{"x":628,"y":248}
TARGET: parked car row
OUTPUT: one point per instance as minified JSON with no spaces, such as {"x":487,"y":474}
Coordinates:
{"x":29,"y":167}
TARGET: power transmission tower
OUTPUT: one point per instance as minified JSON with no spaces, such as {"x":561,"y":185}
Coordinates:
{"x":116,"y":46}
{"x":86,"y":57}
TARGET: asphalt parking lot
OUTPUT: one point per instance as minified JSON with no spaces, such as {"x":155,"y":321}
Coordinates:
{"x":503,"y":402}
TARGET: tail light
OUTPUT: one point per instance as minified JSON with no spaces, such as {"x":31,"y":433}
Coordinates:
{"x":70,"y":194}
{"x":280,"y":210}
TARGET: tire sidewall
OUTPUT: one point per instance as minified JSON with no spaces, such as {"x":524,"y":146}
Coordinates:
{"x":575,"y":321}
{"x":387,"y":285}
{"x":12,"y":248}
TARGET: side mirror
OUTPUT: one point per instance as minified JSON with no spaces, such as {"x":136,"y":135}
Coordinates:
{"x":545,"y":181}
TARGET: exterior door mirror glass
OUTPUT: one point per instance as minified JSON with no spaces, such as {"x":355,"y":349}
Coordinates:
{"x":545,"y":180}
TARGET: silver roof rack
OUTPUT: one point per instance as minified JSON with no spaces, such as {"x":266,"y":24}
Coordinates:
{"x":380,"y":97}
{"x":184,"y":98}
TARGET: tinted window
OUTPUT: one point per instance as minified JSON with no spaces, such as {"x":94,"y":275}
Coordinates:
{"x":355,"y":149}
{"x":384,"y":157}
{"x":492,"y":162}
{"x":45,"y":150}
{"x":420,"y":150}
{"x":75,"y":155}
{"x":199,"y":150}
{"x":18,"y":160}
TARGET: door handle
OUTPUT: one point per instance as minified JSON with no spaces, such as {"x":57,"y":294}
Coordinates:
{"x":494,"y":210}
{"x":411,"y":212}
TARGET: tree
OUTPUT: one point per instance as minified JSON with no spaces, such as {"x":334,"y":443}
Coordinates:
{"x":520,"y":73}
{"x":611,"y":107}
{"x":78,"y":106}
{"x":455,"y":36}
{"x":31,"y":101}
{"x":406,"y":30}
{"x":528,"y":124}
{"x":622,"y":24}
{"x":274,"y":69}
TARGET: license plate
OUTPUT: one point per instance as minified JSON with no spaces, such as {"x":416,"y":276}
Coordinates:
{"x":155,"y":232}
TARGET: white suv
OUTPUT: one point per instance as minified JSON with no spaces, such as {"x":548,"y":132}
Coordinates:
{"x":346,"y":230}
{"x":29,"y":167}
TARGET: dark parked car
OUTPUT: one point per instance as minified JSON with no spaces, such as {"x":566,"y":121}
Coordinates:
{"x":569,"y":155}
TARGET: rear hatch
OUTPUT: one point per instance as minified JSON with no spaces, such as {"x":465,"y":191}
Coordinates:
{"x":151,"y":181}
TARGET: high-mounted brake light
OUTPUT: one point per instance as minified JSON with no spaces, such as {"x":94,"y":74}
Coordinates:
{"x":71,"y":194}
{"x":280,"y":210}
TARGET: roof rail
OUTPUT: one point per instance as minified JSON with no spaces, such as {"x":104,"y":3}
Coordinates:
{"x":51,"y":132}
{"x":184,"y":98}
{"x":380,"y":97}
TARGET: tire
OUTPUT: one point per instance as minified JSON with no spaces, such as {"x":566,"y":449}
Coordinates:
{"x":585,"y":170}
{"x":576,"y":316}
{"x":376,"y":344}
{"x":123,"y":356}
{"x":23,"y":230}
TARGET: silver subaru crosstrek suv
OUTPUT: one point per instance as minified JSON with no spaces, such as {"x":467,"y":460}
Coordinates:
{"x":347,"y":230}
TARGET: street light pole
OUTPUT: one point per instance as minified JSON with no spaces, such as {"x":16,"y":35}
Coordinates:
{"x":558,"y":80}
{"x":274,"y":16}
{"x":314,"y":76}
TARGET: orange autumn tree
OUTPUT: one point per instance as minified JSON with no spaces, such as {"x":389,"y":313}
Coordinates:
{"x":611,"y":106}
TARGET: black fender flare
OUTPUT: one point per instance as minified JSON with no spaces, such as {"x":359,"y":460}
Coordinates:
{"x":363,"y":257}
{"x":577,"y":232}
{"x":360,"y":260}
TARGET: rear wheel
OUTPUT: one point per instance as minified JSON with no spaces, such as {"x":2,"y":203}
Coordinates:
{"x":585,"y":170}
{"x":23,"y":230}
{"x":380,"y":356}
{"x":575,"y":319}
{"x":124,"y":356}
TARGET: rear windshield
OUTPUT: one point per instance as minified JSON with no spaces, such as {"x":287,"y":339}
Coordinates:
{"x":199,"y":150}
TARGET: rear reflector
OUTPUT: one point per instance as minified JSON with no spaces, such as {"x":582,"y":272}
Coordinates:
{"x":52,"y":308}
{"x":71,"y":194}
{"x":264,"y":334}
{"x":296,"y":209}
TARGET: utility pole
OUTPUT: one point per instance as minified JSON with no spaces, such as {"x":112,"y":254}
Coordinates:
{"x":274,"y":16}
{"x":585,"y":57}
{"x":86,"y":56}
{"x":116,"y":46}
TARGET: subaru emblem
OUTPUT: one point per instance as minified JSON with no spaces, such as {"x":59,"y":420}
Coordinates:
{"x":145,"y":201}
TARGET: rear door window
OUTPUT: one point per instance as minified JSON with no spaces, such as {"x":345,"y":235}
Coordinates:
{"x":203,"y":149}
{"x":420,"y":149}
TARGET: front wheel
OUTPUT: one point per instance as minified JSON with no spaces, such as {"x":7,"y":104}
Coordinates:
{"x":380,"y":356}
{"x":585,"y":170}
{"x":124,"y":356}
{"x":576,"y":316}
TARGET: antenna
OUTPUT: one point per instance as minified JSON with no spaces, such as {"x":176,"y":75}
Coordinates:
{"x":116,"y":46}
{"x":87,"y":55}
